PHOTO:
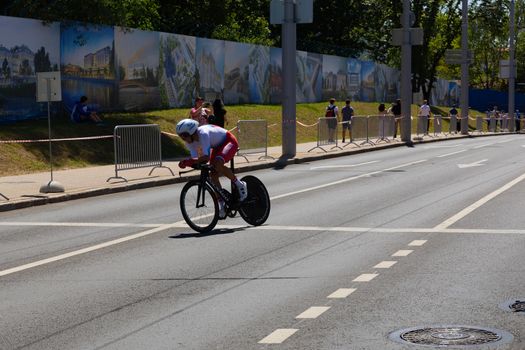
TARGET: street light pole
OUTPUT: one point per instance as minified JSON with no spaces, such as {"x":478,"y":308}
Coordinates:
{"x":406,"y":74}
{"x":512,"y":70}
{"x":289,"y":73}
{"x":465,"y":60}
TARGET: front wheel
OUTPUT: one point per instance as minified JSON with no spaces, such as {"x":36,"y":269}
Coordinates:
{"x":255,"y":209}
{"x":199,"y":206}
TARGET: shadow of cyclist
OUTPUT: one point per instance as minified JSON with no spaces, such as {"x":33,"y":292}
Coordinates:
{"x":220,"y":231}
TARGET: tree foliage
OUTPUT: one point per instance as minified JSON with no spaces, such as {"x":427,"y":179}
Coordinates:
{"x":349,"y":28}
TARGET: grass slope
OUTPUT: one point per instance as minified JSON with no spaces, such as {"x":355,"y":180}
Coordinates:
{"x":21,"y":158}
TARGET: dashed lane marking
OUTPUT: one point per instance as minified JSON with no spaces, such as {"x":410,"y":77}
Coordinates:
{"x":402,"y":253}
{"x":385,"y":264}
{"x":278,"y":336}
{"x":417,"y":242}
{"x":313,"y":312}
{"x":365,"y":277}
{"x":341,"y":293}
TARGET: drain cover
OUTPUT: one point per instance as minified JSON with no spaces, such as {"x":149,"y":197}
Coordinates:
{"x":514,"y":305}
{"x":443,"y":336}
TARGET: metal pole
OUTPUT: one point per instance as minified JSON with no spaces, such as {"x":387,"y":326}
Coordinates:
{"x":512,"y":78}
{"x":49,"y":131}
{"x":406,"y":73}
{"x":289,"y":72}
{"x":464,"y":68}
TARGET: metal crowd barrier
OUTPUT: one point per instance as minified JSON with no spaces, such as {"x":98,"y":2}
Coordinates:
{"x":137,"y":146}
{"x":326,"y":133}
{"x":253,"y":138}
{"x":386,"y":126}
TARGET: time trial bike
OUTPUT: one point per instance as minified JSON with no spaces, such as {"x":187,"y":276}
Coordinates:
{"x":199,"y":201}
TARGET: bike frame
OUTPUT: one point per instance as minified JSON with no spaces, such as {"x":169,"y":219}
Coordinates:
{"x":205,"y":179}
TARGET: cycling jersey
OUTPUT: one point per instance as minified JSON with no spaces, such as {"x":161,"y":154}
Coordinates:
{"x":214,"y":141}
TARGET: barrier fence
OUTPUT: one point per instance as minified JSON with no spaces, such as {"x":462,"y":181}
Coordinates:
{"x":253,"y":138}
{"x":137,"y":146}
{"x":327,"y":131}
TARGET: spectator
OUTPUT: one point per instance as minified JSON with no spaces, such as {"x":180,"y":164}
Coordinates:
{"x":348,"y":112}
{"x":219,"y":114}
{"x":81,"y":113}
{"x":453,"y":114}
{"x":424,"y":114}
{"x":493,"y":114}
{"x":396,"y":111}
{"x":196,"y":111}
{"x":331,"y":114}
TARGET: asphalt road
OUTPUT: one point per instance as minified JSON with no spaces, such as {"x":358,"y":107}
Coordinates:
{"x":356,"y":250}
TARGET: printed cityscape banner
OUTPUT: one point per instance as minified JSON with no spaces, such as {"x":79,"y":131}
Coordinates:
{"x":26,"y":47}
{"x":137,"y":56}
{"x":177,"y":70}
{"x":88,"y":65}
{"x":130,"y":69}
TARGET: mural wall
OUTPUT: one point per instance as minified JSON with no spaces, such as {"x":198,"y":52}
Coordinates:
{"x":26,"y":47}
{"x":134,"y":70}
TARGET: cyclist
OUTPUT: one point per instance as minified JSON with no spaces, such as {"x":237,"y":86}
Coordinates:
{"x":213,"y":144}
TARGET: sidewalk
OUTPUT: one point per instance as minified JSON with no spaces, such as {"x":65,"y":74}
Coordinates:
{"x":24,"y":190}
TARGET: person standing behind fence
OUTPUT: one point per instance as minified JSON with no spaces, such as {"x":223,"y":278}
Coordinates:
{"x":396,"y":111}
{"x":331,"y":113}
{"x":219,"y":113}
{"x":424,"y":114}
{"x":453,"y":113}
{"x":348,"y":112}
{"x":196,"y":112}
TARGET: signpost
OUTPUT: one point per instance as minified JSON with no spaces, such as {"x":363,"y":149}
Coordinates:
{"x":406,"y":37}
{"x":48,"y":90}
{"x":289,"y":13}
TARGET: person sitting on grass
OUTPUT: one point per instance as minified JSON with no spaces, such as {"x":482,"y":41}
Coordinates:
{"x":81,"y":113}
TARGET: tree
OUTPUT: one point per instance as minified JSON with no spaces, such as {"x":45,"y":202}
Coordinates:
{"x":5,"y":69}
{"x":441,"y":23}
{"x":142,"y":14}
{"x":42,"y":62}
{"x":488,"y":40}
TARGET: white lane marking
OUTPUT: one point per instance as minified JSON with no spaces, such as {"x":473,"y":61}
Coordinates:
{"x":385,"y":264}
{"x":478,"y":203}
{"x":182,"y":224}
{"x":402,"y":253}
{"x":473,"y":164}
{"x":341,"y":293}
{"x":443,"y":146}
{"x":77,"y":224}
{"x":278,"y":336}
{"x":368,"y":229}
{"x":365,"y":277}
{"x":483,"y":145}
{"x":417,"y":242}
{"x":345,"y":180}
{"x":450,"y":154}
{"x":342,"y":166}
{"x":84,"y":250}
{"x":313,"y":312}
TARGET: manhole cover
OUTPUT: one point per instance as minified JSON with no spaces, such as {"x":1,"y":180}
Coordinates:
{"x":514,"y":305}
{"x":443,"y":336}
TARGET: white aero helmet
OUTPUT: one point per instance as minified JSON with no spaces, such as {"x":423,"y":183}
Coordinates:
{"x":188,"y":126}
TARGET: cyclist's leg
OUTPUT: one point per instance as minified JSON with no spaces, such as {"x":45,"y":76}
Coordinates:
{"x":223,"y":154}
